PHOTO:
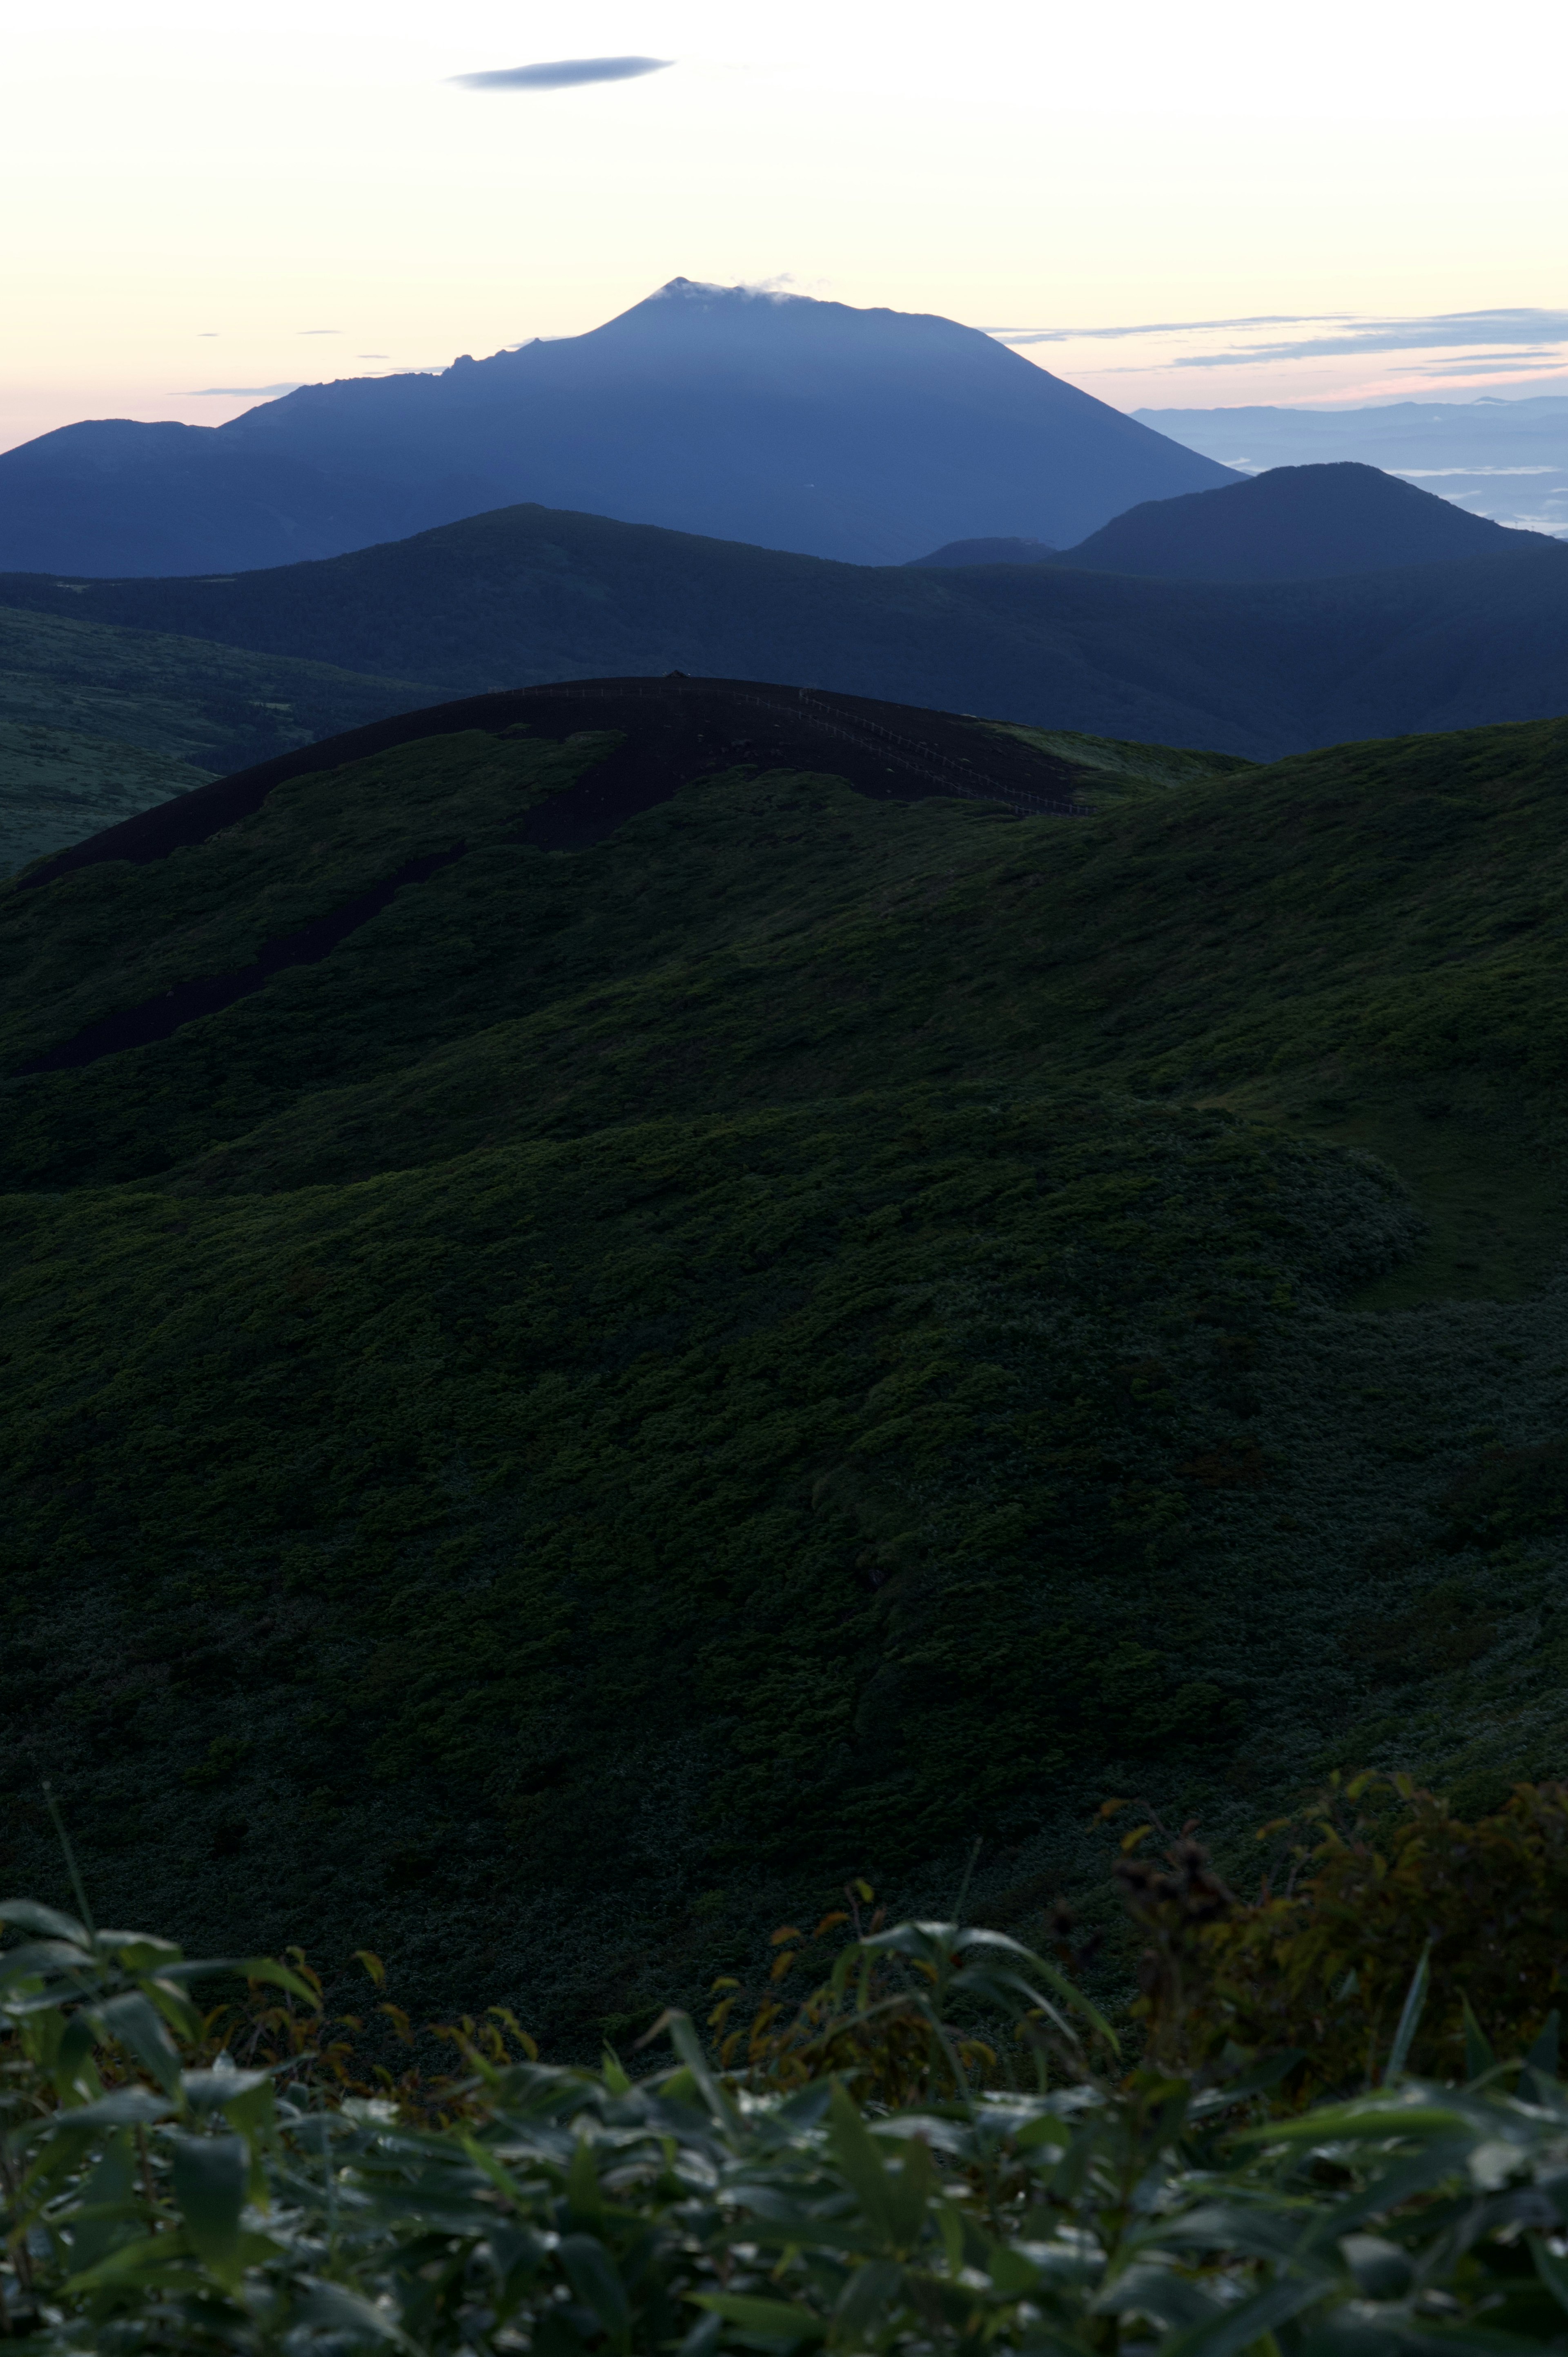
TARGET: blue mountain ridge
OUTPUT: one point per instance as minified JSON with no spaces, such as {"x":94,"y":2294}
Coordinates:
{"x":866,"y":436}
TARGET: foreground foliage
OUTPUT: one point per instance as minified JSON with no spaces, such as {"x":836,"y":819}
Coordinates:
{"x":157,"y":2197}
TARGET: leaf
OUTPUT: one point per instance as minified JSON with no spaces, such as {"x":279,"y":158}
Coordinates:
{"x":209,"y":2091}
{"x":209,"y":2174}
{"x":1541,"y":2063}
{"x":108,"y":2191}
{"x":1552,"y":2271}
{"x":134,"y":2021}
{"x":769,"y":2319}
{"x":613,"y":2073}
{"x":1158,"y":2293}
{"x":1237,"y":2327}
{"x":42,"y":1959}
{"x":46,"y":1922}
{"x":895,"y":2205}
{"x":868,"y":2303}
{"x":1409,"y":2019}
{"x":126,"y":2107}
{"x":373,"y":1965}
{"x":584,"y":2198}
{"x":1478,"y":2056}
{"x":1370,"y":2119}
{"x":267,"y":1969}
{"x":688,"y":2047}
{"x":343,"y":2313}
{"x":594,"y":2277}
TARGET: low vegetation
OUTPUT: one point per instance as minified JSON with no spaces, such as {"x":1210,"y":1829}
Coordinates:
{"x":660,"y":1378}
{"x":946,"y":2146}
{"x":97,"y":721}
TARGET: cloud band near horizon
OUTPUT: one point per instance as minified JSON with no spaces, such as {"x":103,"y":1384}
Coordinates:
{"x":1531,"y":332}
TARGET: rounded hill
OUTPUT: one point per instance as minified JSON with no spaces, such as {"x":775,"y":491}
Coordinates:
{"x":1293,"y":524}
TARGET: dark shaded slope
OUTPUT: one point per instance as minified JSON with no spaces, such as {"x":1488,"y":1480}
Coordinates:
{"x":720,"y":1361}
{"x":988,"y":552}
{"x":675,"y":730}
{"x":862,"y":434}
{"x":528,"y":595}
{"x":1293,"y":524}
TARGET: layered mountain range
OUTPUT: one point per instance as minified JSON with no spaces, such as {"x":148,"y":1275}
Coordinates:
{"x":868,"y":435}
{"x":1122,"y":636}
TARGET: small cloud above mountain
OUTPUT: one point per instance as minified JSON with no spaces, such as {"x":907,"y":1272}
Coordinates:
{"x":562,"y":73}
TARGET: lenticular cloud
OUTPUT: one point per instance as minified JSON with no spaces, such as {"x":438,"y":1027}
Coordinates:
{"x":562,"y":73}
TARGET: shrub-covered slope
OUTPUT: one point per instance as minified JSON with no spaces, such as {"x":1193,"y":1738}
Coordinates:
{"x":655,"y":1375}
{"x":57,"y":785}
{"x":215,"y":706}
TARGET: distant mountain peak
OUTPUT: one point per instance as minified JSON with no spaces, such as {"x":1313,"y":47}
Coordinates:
{"x":1292,"y":523}
{"x":743,"y":412}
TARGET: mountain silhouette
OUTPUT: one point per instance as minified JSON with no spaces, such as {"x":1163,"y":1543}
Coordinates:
{"x":988,"y":552}
{"x":1293,"y":524}
{"x":529,"y":595}
{"x":868,"y":435}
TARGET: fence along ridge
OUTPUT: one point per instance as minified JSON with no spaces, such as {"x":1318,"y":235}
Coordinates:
{"x":925,"y":761}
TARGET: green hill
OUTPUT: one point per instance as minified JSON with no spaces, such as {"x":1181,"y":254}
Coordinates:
{"x":57,"y":785}
{"x":1260,"y":668}
{"x":97,"y":722}
{"x":808,"y":1328}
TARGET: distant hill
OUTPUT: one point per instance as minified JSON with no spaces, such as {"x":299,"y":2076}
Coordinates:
{"x":1505,"y":459}
{"x":868,"y":435}
{"x":529,"y":595}
{"x":582,"y":1366}
{"x":988,"y":552}
{"x":1293,"y":524}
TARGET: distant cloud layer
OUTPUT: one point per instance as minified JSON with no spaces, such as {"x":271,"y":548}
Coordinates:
{"x":1524,"y":333}
{"x":562,"y":73}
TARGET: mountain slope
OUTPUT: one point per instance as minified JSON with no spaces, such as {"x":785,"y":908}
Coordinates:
{"x":1506,"y":459}
{"x":529,"y":595}
{"x":186,"y":699}
{"x":654,"y":1376}
{"x":868,"y":435}
{"x":1293,"y":524}
{"x":57,"y":785}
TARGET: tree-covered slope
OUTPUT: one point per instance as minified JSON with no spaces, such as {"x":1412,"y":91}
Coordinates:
{"x":658,"y":1374}
{"x":1259,"y":669}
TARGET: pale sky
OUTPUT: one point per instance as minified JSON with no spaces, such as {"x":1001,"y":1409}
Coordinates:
{"x":207,"y":194}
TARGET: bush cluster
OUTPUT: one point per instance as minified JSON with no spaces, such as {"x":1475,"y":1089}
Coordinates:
{"x":871,"y":2173}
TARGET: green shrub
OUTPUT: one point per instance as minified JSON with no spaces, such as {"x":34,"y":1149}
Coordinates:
{"x":1386,"y":1876}
{"x":157,"y":2198}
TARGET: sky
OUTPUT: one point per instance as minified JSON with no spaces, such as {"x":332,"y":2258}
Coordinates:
{"x":1193,"y":207}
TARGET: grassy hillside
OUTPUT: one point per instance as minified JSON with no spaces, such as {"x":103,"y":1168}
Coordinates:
{"x":210,"y":707}
{"x":57,"y":785}
{"x":530,"y":594}
{"x":659,"y":1375}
